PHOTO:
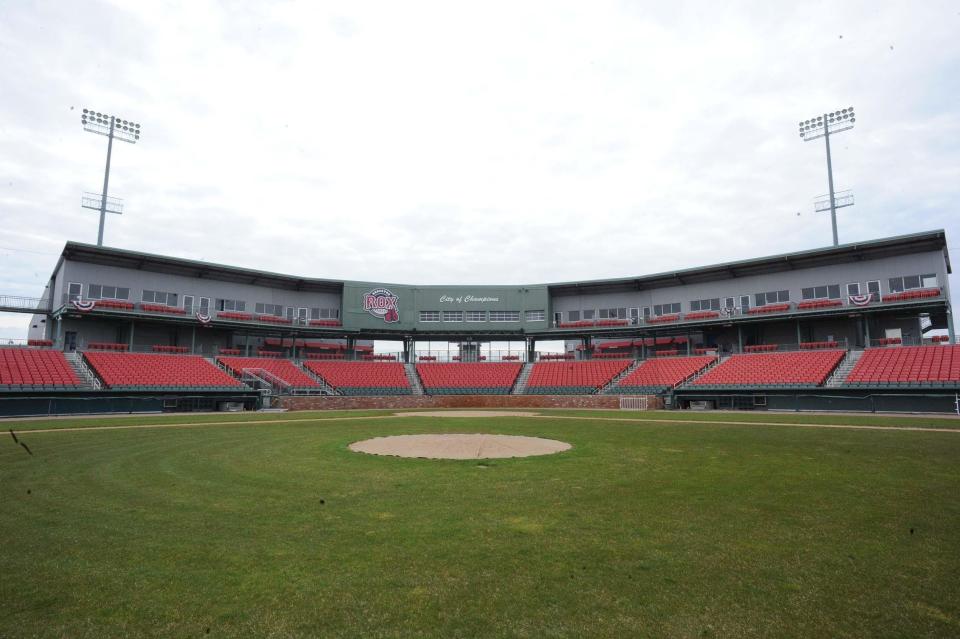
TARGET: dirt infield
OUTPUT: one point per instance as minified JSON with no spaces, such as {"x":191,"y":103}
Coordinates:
{"x":459,"y":446}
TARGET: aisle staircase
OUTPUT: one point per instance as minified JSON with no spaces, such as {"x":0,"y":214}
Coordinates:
{"x":87,"y":379}
{"x":520,"y":385}
{"x":842,"y":371}
{"x":414,"y":379}
{"x":616,"y":380}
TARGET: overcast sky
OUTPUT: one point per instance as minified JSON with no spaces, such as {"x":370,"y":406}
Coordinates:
{"x":483,"y":142}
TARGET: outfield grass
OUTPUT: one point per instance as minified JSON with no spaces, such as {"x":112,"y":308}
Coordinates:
{"x":642,"y":529}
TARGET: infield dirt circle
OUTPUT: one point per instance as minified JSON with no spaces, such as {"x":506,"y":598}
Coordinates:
{"x":459,"y":446}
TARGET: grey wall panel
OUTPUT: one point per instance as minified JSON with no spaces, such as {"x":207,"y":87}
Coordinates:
{"x":793,"y":281}
{"x":137,"y":281}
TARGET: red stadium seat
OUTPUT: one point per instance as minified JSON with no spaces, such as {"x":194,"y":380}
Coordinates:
{"x":471,"y":378}
{"x":657,"y":375}
{"x":795,"y":369}
{"x":30,"y":367}
{"x":147,"y":371}
{"x":363,"y":378}
{"x":573,"y":378}
{"x":908,"y":366}
{"x":282,"y":369}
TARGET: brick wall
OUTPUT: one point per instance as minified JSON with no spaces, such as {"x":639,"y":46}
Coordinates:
{"x":457,"y":401}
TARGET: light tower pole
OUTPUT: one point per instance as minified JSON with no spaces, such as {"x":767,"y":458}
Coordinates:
{"x":112,"y":127}
{"x":821,"y":127}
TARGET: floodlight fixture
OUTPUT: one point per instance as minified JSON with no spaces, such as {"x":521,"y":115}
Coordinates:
{"x":822,"y":126}
{"x":112,"y":127}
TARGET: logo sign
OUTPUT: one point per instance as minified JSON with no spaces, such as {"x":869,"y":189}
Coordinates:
{"x":380,"y":302}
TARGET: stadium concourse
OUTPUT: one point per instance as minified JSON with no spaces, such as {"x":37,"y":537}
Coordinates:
{"x":864,"y":326}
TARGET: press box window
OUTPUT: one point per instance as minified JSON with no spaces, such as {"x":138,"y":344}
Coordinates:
{"x":231,"y":305}
{"x":910,"y":282}
{"x":476,"y":316}
{"x":324,"y":313}
{"x":103,"y":292}
{"x":666,"y":309}
{"x":536,"y":316}
{"x":613,"y":313}
{"x":268,"y":309}
{"x":159,"y":297}
{"x":826,"y":292}
{"x":712,"y":304}
{"x":774,"y":297}
{"x":573,"y":316}
{"x":453,"y":316}
{"x":504,"y":316}
{"x":429,"y":316}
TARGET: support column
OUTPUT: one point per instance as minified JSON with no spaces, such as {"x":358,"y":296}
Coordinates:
{"x":132,"y":327}
{"x":58,"y":338}
{"x":739,"y":338}
{"x":351,"y":348}
{"x":688,"y":343}
{"x":407,"y":349}
{"x":798,"y":334}
{"x":950,"y":330}
{"x":531,"y":349}
{"x":193,"y":339}
{"x":246,"y":345}
{"x":866,"y":331}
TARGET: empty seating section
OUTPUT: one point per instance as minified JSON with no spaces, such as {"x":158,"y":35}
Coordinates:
{"x":163,"y":348}
{"x":769,"y":308}
{"x":663,"y":319}
{"x":773,"y":370}
{"x":273,"y":319}
{"x":283,"y":369}
{"x":363,"y":378}
{"x":136,"y":371}
{"x":937,"y":366}
{"x":115,"y":304}
{"x":809,"y":304}
{"x":107,"y":346}
{"x":468,"y":378}
{"x":573,"y":378}
{"x":702,"y":315}
{"x":234,"y":315}
{"x":916,"y":294}
{"x":813,"y":345}
{"x":760,"y":348}
{"x":162,"y":308}
{"x":653,"y":376}
{"x":28,"y":368}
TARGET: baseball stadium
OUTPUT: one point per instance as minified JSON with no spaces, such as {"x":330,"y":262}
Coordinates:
{"x":757,"y":448}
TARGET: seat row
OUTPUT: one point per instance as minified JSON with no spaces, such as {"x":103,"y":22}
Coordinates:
{"x":469,"y":378}
{"x":907,"y":366}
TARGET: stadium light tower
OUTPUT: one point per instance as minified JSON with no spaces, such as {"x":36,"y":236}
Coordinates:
{"x":112,"y":127}
{"x":821,"y":127}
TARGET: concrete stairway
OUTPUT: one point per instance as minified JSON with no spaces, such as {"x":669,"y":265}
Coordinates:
{"x":414,"y":379}
{"x":88,"y":379}
{"x":616,"y":380}
{"x":842,"y":371}
{"x":520,"y":385}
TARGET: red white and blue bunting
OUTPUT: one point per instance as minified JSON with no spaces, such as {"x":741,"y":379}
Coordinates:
{"x":83,"y":307}
{"x":203,"y":319}
{"x":860,"y":300}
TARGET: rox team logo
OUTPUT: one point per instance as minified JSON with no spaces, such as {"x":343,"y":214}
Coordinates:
{"x":380,"y":302}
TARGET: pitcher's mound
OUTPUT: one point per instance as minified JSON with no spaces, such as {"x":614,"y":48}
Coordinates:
{"x":457,"y":446}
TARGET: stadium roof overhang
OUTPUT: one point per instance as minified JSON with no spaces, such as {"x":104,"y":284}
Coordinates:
{"x":108,"y":256}
{"x":829,"y":256}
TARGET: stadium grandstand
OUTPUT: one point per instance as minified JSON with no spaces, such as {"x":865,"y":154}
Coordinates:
{"x":865,"y":326}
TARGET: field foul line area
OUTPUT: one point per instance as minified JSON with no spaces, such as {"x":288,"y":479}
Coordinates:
{"x":639,"y":420}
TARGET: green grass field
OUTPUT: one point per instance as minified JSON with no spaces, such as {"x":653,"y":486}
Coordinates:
{"x":276,"y":529}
